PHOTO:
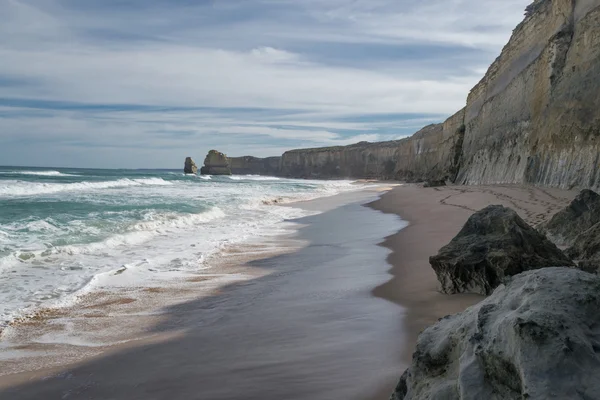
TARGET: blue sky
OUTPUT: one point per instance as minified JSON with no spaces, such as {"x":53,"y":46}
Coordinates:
{"x":145,"y":83}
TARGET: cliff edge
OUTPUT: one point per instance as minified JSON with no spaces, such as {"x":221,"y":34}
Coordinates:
{"x":533,"y":118}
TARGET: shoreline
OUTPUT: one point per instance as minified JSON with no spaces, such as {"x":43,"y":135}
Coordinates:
{"x":76,"y":332}
{"x":435,"y":216}
{"x":299,"y":285}
{"x":385,"y":333}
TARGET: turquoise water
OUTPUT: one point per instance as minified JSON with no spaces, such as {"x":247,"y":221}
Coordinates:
{"x":64,"y":230}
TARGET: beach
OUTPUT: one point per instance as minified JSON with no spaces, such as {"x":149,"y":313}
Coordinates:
{"x":323,"y":320}
{"x":297,"y":324}
{"x":435,"y":216}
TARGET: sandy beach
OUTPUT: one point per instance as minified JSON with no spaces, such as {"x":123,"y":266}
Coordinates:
{"x":322,"y":322}
{"x":435,"y":216}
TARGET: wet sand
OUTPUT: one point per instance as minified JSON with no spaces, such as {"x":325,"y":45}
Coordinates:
{"x":306,"y":327}
{"x":323,"y":322}
{"x":435,"y":216}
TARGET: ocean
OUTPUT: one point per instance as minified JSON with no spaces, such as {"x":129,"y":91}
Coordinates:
{"x":64,"y":232}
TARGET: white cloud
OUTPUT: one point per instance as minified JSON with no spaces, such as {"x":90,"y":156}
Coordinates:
{"x":309,"y":68}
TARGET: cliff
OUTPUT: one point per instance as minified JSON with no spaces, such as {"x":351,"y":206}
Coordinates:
{"x":249,"y":165}
{"x":535,"y":116}
{"x":429,"y":154}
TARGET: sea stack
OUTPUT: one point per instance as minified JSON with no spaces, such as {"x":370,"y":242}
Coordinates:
{"x":216,"y":163}
{"x":190,"y":166}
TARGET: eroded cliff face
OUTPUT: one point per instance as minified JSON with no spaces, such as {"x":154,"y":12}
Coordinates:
{"x":430,"y":154}
{"x":249,"y":165}
{"x":535,"y":116}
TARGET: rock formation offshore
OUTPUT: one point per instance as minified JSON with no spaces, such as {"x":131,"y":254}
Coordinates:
{"x":190,"y":166}
{"x":533,"y":118}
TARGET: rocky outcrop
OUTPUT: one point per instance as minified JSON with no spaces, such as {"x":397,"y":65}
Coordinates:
{"x":216,"y":163}
{"x":535,"y":338}
{"x":249,"y":165}
{"x":535,"y":116}
{"x":190,"y":166}
{"x":495,"y":243}
{"x":579,"y":216}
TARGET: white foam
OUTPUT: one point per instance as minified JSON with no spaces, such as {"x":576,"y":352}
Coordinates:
{"x":20,"y":188}
{"x":37,"y":173}
{"x":253,"y":178}
{"x":156,"y":224}
{"x":163,"y":244}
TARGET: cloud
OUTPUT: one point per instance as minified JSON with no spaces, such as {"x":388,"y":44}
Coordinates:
{"x":239,"y":75}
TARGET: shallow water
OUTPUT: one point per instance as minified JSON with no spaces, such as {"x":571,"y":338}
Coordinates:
{"x":310,"y":329}
{"x":64,"y":232}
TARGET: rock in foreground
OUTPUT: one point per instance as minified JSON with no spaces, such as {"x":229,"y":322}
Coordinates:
{"x":190,"y":166}
{"x":494,"y":243}
{"x":538,"y":337}
{"x":216,"y":163}
{"x":586,"y":249}
{"x":577,"y":217}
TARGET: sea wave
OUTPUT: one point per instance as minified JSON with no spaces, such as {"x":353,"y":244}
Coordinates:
{"x":253,"y":178}
{"x":37,"y":173}
{"x":155,"y":224}
{"x":21,"y":188}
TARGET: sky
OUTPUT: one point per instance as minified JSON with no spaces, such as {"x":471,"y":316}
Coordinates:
{"x":145,"y":83}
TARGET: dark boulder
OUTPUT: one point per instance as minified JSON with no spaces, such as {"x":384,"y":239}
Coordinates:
{"x":577,"y":217}
{"x":494,"y":243}
{"x":586,"y":249}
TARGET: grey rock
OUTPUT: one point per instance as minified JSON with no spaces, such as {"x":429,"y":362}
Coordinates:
{"x":536,"y":338}
{"x":579,"y":216}
{"x":495,"y":243}
{"x":190,"y":166}
{"x":586,"y":249}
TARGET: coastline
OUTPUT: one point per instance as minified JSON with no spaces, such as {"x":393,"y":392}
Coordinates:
{"x":435,"y":216}
{"x":305,"y":326}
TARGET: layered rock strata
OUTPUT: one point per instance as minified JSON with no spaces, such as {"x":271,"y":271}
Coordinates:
{"x":535,"y":116}
{"x":430,"y":154}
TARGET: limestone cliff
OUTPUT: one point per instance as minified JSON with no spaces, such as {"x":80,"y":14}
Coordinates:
{"x":249,"y":165}
{"x":535,"y":116}
{"x":216,"y":163}
{"x":430,"y":154}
